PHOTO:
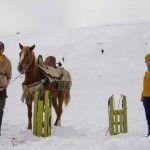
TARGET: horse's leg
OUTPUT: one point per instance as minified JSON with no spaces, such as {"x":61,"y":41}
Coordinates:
{"x":29,"y":115}
{"x":60,"y":105}
{"x":54,"y":103}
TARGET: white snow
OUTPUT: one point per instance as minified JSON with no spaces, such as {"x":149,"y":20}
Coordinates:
{"x":95,"y":78}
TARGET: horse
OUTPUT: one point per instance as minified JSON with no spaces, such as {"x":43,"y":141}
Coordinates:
{"x":27,"y":66}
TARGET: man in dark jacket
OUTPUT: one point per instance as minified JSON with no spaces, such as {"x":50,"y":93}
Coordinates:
{"x":5,"y":76}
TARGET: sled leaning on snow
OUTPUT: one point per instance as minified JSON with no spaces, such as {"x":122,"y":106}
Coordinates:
{"x":117,"y":117}
{"x":42,"y":114}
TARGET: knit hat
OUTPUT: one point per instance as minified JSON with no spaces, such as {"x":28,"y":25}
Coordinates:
{"x":147,"y":57}
{"x":2,"y":45}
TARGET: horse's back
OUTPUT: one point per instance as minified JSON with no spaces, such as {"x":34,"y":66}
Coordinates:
{"x":63,"y":81}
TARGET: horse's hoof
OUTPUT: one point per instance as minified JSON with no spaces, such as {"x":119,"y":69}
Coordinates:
{"x":57,"y":123}
{"x":29,"y":127}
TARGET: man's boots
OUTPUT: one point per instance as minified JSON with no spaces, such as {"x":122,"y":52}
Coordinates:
{"x":1,"y":117}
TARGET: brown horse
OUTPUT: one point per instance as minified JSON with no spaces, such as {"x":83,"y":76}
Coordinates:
{"x":27,"y":65}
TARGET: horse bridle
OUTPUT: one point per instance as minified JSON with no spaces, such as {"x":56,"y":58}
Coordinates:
{"x":29,"y":64}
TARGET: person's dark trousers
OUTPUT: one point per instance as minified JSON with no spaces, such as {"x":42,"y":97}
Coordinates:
{"x":146,"y":103}
{"x":3,"y":97}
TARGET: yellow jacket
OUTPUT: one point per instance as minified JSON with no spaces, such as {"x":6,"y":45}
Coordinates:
{"x":146,"y":85}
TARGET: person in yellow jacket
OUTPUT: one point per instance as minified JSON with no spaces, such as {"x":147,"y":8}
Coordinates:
{"x":5,"y":76}
{"x":145,"y":98}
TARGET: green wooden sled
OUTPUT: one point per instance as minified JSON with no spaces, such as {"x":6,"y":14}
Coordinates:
{"x":42,"y":114}
{"x":117,"y":117}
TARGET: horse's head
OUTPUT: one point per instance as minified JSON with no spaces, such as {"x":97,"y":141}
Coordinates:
{"x":26,"y":58}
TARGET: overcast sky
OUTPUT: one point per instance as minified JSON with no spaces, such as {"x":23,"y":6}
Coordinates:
{"x":51,"y":15}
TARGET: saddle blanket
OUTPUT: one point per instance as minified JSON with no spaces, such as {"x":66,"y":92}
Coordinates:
{"x":53,"y":73}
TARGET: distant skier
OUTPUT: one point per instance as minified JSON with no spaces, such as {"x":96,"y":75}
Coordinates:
{"x":102,"y":51}
{"x":145,"y":98}
{"x":63,"y":59}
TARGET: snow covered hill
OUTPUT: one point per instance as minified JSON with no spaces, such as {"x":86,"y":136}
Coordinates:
{"x":96,"y":77}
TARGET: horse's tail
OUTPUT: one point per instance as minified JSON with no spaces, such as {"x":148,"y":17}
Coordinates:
{"x":67,"y":97}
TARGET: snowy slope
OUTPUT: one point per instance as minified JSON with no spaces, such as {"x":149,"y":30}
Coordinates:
{"x":95,"y":78}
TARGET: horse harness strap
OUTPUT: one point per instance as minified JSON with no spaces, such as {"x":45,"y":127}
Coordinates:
{"x":2,"y":74}
{"x":34,"y":86}
{"x":28,"y":90}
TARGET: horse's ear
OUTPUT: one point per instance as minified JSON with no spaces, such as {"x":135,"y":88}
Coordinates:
{"x":20,"y":46}
{"x":32,"y":47}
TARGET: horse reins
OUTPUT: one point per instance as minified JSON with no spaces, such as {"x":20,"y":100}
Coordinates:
{"x":15,"y":79}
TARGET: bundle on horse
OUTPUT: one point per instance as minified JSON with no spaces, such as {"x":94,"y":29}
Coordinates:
{"x":35,"y":78}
